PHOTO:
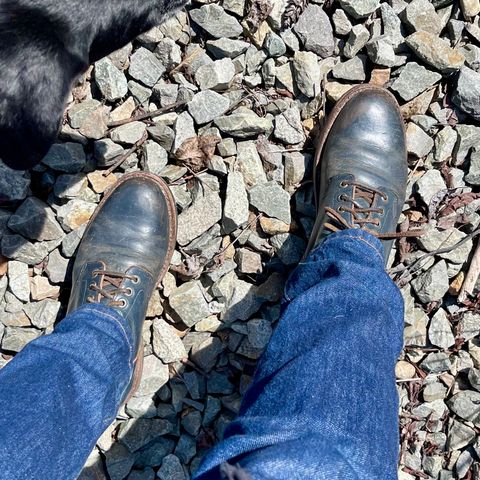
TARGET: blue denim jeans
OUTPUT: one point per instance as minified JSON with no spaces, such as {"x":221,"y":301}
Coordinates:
{"x":322,"y":405}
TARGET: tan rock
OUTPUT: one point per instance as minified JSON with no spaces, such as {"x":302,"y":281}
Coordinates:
{"x":41,"y":288}
{"x":404,"y":370}
{"x":470,"y":8}
{"x":272,"y":226}
{"x":124,"y":111}
{"x":335,"y":90}
{"x":99,"y":182}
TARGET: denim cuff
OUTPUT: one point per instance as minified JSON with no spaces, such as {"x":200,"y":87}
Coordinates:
{"x":355,"y":234}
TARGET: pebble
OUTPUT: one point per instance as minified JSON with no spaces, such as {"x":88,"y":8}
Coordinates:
{"x":227,"y":47}
{"x":432,"y":285}
{"x":430,"y":184}
{"x":236,"y":211}
{"x":216,"y":75}
{"x":306,"y":71}
{"x":18,"y":280}
{"x":171,"y":469}
{"x":15,"y":338}
{"x":353,"y":69}
{"x":342,"y":24}
{"x":188,"y":302}
{"x":154,"y":375}
{"x":420,"y":15}
{"x":271,"y":199}
{"x":66,"y":157}
{"x":381,"y":52}
{"x":146,"y":67}
{"x":435,"y":52}
{"x":414,"y":80}
{"x":19,"y":248}
{"x":358,"y":38}
{"x":129,"y":133}
{"x":440,"y":330}
{"x":244,"y":123}
{"x":466,"y":405}
{"x":288,"y":127}
{"x":110,"y":80}
{"x":315,"y":31}
{"x":469,"y":325}
{"x":359,"y":8}
{"x":214,"y":20}
{"x":404,"y":370}
{"x":467,"y":93}
{"x":14,"y":184}
{"x":207,"y":105}
{"x":166,"y":343}
{"x":75,"y":213}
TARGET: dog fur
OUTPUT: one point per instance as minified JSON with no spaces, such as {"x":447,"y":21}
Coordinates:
{"x":44,"y":46}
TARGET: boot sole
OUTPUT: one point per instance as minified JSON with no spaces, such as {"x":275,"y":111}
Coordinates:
{"x":172,"y":238}
{"x":319,"y":177}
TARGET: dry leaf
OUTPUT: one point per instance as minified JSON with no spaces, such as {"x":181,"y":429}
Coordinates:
{"x":195,"y":152}
{"x":292,"y":12}
{"x":258,"y":13}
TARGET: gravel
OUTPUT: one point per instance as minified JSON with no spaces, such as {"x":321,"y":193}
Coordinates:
{"x":246,"y":210}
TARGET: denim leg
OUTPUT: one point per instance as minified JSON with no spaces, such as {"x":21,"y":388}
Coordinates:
{"x":59,"y":394}
{"x":323,"y":402}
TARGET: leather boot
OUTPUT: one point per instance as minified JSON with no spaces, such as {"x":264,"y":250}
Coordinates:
{"x":360,"y":170}
{"x":125,"y":252}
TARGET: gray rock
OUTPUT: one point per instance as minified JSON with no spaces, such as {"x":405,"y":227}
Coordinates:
{"x":358,"y":38}
{"x":129,"y":133}
{"x":226,"y":47}
{"x":271,"y":199}
{"x":440,"y":330}
{"x":469,"y":325}
{"x":155,"y":157}
{"x":435,"y":52}
{"x":171,"y":469}
{"x":248,"y":261}
{"x":381,"y":52}
{"x":79,"y":112}
{"x":315,"y":31}
{"x":192,"y":422}
{"x":435,"y":239}
{"x":72,"y":240}
{"x":419,"y":143}
{"x":436,"y":363}
{"x":342,"y":24}
{"x":153,"y":454}
{"x":19,"y":280}
{"x":359,"y":8}
{"x":14,"y":184}
{"x":205,"y":212}
{"x":466,"y":404}
{"x":205,"y":106}
{"x":467,"y":93}
{"x":186,"y":448}
{"x":468,"y":137}
{"x":421,"y":15}
{"x":434,"y":391}
{"x":167,"y":345}
{"x":432,"y":285}
{"x":146,"y":67}
{"x":15,"y":338}
{"x":189,"y":303}
{"x":259,"y":332}
{"x":429,"y":184}
{"x":110,"y":80}
{"x":413,"y":80}
{"x":206,"y":353}
{"x":288,"y":127}
{"x":353,"y":69}
{"x":19,"y":248}
{"x":306,"y":72}
{"x":214,"y":20}
{"x":75,"y":213}
{"x":139,"y":92}
{"x":392,"y":26}
{"x":154,"y":376}
{"x":473,"y":176}
{"x":289,"y":247}
{"x":138,"y":432}
{"x":445,"y":142}
{"x":141,"y":407}
{"x":464,"y":463}
{"x":56,"y":267}
{"x":169,"y":53}
{"x":66,"y":157}
{"x":119,"y":461}
{"x":235,"y":212}
{"x":105,"y":151}
{"x":70,"y":186}
{"x":216,"y":75}
{"x":44,"y":313}
{"x":244,"y":123}
{"x":250,"y":164}
{"x":274,"y":45}
{"x":184,"y":129}
{"x":459,"y":435}
{"x":164,"y":135}
{"x":35,"y":220}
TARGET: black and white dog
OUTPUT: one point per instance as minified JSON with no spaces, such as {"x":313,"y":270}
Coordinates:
{"x":44,"y":46}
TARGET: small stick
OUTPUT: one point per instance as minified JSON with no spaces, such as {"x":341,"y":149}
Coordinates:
{"x":125,"y":155}
{"x":146,"y":115}
{"x":471,"y":277}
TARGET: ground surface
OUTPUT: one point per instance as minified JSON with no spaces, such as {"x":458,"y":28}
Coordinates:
{"x":235,"y":145}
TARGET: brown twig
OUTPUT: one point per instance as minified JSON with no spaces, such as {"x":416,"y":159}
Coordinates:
{"x":144,"y":116}
{"x":124,"y":156}
{"x":186,"y":60}
{"x":471,"y":277}
{"x":414,"y":266}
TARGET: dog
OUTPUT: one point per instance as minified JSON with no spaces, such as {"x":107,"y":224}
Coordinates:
{"x":45,"y":45}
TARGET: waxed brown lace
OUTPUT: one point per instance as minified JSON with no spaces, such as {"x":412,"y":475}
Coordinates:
{"x":370,"y":195}
{"x":113,"y":279}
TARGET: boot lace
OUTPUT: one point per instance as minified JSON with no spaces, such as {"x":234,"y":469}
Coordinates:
{"x":362,"y":212}
{"x":110,"y":286}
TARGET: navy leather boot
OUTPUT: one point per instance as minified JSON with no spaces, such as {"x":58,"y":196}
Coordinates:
{"x":126,"y":251}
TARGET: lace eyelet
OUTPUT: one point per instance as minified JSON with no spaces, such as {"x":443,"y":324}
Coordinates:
{"x":91,"y":286}
{"x":129,"y":292}
{"x":382,"y":211}
{"x":124,"y":303}
{"x":343,"y":184}
{"x":136,"y":279}
{"x":341,"y":198}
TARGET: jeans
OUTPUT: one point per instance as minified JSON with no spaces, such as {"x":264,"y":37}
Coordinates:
{"x":322,"y":405}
